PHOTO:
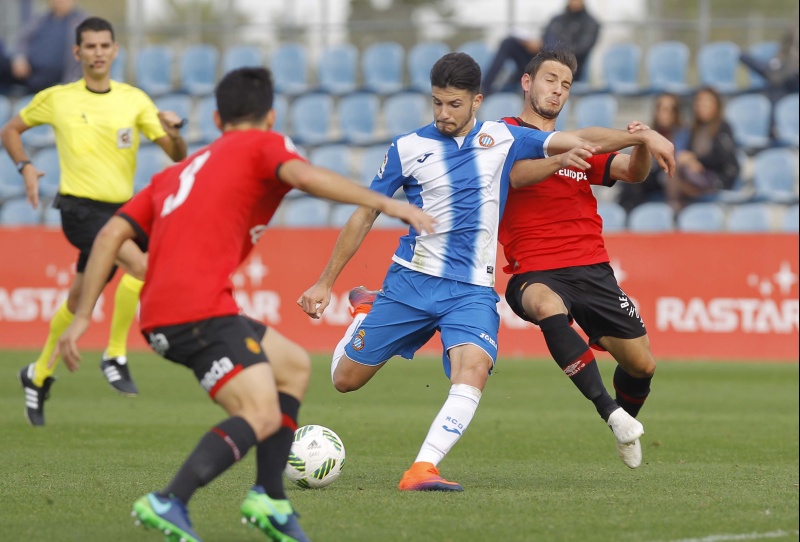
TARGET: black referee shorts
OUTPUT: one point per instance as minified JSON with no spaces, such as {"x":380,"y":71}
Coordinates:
{"x":591,"y":295}
{"x":215,"y":349}
{"x":81,"y":220}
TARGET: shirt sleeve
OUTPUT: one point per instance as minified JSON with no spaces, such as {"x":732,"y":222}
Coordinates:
{"x":147,"y":121}
{"x":600,"y":172}
{"x":140,"y":213}
{"x":39,"y":110}
{"x":276,"y":151}
{"x":528,"y":143}
{"x":390,"y":175}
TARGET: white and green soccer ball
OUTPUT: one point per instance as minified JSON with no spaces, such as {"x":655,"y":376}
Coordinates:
{"x":316,"y":458}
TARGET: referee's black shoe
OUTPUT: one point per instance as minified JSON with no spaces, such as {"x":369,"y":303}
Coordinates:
{"x":35,"y":396}
{"x":119,"y":376}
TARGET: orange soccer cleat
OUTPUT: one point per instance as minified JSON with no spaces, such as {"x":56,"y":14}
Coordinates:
{"x":423,"y":476}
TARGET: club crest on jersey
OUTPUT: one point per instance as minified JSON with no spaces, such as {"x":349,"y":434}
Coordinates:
{"x":252,"y":345}
{"x":358,"y":340}
{"x":485,"y":140}
{"x":383,"y":165}
{"x":124,"y":138}
{"x":577,"y":176}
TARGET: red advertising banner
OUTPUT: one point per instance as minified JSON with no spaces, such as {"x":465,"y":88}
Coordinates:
{"x":724,"y":297}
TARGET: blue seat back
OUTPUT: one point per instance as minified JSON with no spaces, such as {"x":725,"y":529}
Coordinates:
{"x":47,"y":161}
{"x":310,"y":118}
{"x":333,"y":157}
{"x":306,"y":211}
{"x":180,"y":104}
{"x":337,"y":69}
{"x":382,"y":67}
{"x":791,"y":219}
{"x":358,"y":115}
{"x":406,"y":112}
{"x":764,"y":51}
{"x":787,"y":120}
{"x":717,"y":64}
{"x":18,"y":212}
{"x":702,"y":217}
{"x":421,"y":59}
{"x":371,"y":162}
{"x":750,"y":116}
{"x":774,"y":175}
{"x":480,"y":51}
{"x":119,"y":69}
{"x":750,"y":217}
{"x":154,"y":69}
{"x":666,"y":65}
{"x":499,"y":105}
{"x":198,"y":68}
{"x":596,"y":110}
{"x":621,"y":67}
{"x":289,"y":64}
{"x":651,"y":217}
{"x":241,"y":56}
{"x":613,"y":215}
{"x":149,"y":161}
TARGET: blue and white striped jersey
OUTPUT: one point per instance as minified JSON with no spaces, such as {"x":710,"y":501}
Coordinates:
{"x":463,"y":183}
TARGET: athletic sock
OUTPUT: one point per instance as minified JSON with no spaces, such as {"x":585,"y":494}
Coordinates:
{"x":126,"y":298}
{"x":338,"y":352}
{"x":575,"y":358}
{"x":42,"y":368}
{"x":631,"y":392}
{"x":451,"y":422}
{"x":220,"y":448}
{"x":272,"y":453}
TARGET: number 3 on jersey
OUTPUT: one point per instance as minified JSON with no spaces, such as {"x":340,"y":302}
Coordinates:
{"x":174,"y":201}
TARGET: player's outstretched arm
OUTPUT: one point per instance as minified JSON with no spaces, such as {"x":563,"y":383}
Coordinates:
{"x":172,"y":143}
{"x":636,"y":167}
{"x":11,"y":136}
{"x":528,"y":172}
{"x":101,"y":259}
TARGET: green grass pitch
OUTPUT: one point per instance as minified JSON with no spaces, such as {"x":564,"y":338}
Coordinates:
{"x":537,"y":463}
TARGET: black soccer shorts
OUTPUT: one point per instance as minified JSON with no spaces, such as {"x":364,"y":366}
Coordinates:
{"x":592,"y":297}
{"x":216,"y":349}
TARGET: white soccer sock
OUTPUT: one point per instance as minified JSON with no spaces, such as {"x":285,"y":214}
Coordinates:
{"x":450,"y":423}
{"x":348,"y":335}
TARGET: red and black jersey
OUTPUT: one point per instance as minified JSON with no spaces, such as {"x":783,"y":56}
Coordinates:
{"x":554,"y":224}
{"x":202,"y":217}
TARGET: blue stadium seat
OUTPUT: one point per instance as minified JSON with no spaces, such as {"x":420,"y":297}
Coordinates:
{"x":480,"y":52}
{"x":499,"y":105}
{"x":38,"y":136}
{"x":11,"y":183}
{"x":702,"y":217}
{"x":205,"y":119}
{"x":340,"y":214}
{"x":651,"y":217}
{"x":382,"y":67}
{"x":337,"y":69}
{"x":310,"y":119}
{"x":240,"y":56}
{"x":180,"y":104}
{"x":280,"y":104}
{"x":46,"y":160}
{"x":119,"y":68}
{"x":621,"y":69}
{"x":750,"y":116}
{"x":613,"y":215}
{"x":358,"y":117}
{"x":18,"y":212}
{"x":149,"y":161}
{"x":421,"y":58}
{"x":370,"y":163}
{"x":563,"y":118}
{"x":154,"y":70}
{"x":763,"y":50}
{"x":666,"y":63}
{"x":289,"y":65}
{"x":717,"y":64}
{"x":51,"y":217}
{"x":775,"y":174}
{"x":5,"y":109}
{"x":751,"y":217}
{"x":333,"y":157}
{"x":406,"y":112}
{"x":786,"y":118}
{"x":306,"y":212}
{"x":791,"y":219}
{"x":198,"y":69}
{"x":596,"y":110}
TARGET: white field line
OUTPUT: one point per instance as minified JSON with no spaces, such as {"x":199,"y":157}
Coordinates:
{"x":743,"y":536}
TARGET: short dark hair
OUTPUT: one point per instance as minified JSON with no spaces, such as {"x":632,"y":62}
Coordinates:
{"x":562,"y":56}
{"x":244,"y":95}
{"x":92,"y":24}
{"x":457,"y":70}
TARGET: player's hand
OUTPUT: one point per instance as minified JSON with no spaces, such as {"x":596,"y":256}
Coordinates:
{"x":662,"y":150}
{"x":636,"y":126}
{"x":576,"y":158}
{"x":315,"y":300}
{"x":31,"y":177}
{"x":21,"y":68}
{"x":68,"y":342}
{"x":171,"y":123}
{"x":411,"y":215}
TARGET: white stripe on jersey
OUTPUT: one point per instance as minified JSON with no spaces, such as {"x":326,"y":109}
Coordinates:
{"x":463,"y":188}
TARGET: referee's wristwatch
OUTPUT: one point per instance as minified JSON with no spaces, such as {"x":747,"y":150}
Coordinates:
{"x":21,"y":165}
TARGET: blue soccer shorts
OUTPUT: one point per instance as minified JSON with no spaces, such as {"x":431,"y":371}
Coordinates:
{"x":413,"y":306}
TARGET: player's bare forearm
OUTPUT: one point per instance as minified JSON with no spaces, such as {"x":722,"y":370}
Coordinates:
{"x":174,"y":146}
{"x":638,"y":164}
{"x":528,"y":172}
{"x":348,"y":243}
{"x":605,"y":139}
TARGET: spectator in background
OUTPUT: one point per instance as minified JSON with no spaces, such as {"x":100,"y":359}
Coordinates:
{"x":782,"y":71}
{"x":709,"y":162}
{"x":43,"y":56}
{"x":667,"y":122}
{"x":574,"y":30}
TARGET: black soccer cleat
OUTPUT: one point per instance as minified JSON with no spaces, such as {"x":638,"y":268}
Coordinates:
{"x":35,"y":396}
{"x":119,"y":376}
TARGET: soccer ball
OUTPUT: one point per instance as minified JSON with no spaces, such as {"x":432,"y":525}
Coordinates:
{"x":316,"y":458}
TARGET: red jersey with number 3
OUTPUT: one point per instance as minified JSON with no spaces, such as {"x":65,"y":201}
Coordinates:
{"x":201,"y":219}
{"x":554,"y":224}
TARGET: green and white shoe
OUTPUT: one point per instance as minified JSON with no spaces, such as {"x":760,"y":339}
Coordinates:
{"x":275,"y":518}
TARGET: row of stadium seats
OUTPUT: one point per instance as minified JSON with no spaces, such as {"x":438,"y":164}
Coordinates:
{"x":386,"y":67}
{"x":305,"y":211}
{"x":364,"y":118}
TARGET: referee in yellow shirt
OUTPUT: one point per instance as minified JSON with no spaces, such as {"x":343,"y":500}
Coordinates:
{"x":97,"y":123}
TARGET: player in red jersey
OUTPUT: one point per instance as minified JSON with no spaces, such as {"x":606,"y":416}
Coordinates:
{"x":552,"y":238}
{"x":202,"y":218}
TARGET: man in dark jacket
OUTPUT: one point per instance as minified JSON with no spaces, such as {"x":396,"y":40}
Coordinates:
{"x":574,"y":30}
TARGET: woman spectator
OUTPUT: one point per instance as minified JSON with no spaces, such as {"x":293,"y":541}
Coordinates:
{"x":709,"y":162}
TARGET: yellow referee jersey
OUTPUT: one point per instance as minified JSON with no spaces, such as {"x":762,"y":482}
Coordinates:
{"x":97,"y":136}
